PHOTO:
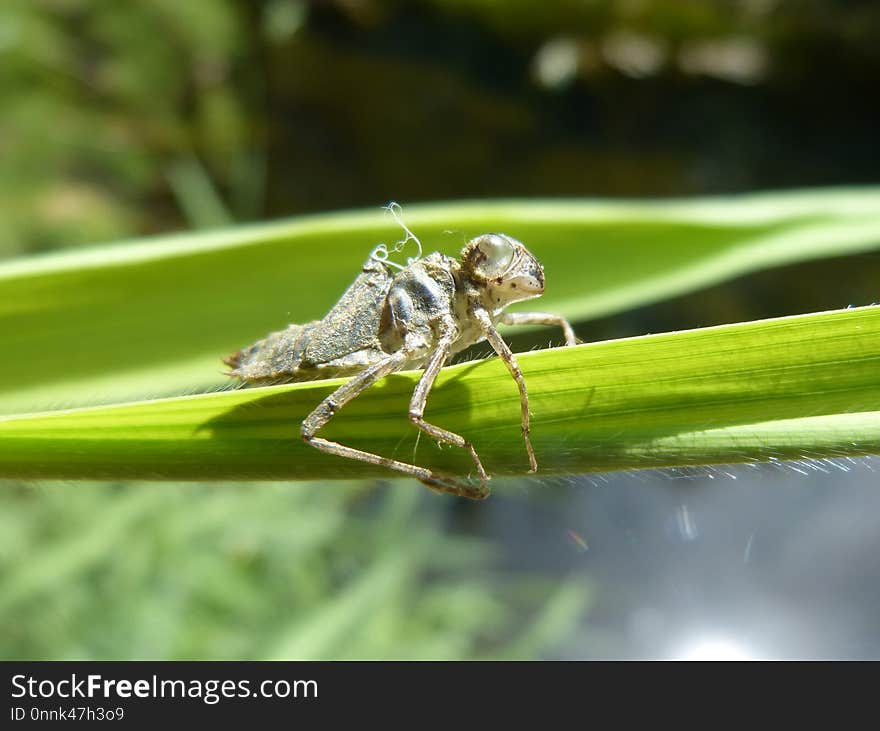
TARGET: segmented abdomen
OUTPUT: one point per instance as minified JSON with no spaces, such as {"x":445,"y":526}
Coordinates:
{"x":274,"y":359}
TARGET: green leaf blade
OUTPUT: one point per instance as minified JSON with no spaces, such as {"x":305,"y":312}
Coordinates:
{"x":773,"y":389}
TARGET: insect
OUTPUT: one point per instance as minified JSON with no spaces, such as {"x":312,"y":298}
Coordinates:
{"x":394,"y":317}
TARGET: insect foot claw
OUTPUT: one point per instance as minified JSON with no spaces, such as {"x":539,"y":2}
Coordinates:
{"x":473,"y":492}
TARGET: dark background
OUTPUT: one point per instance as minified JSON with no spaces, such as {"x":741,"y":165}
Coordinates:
{"x":188,"y":114}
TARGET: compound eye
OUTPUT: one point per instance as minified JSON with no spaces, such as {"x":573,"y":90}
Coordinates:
{"x":498,"y":251}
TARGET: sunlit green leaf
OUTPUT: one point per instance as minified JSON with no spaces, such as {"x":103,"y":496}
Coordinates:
{"x":143,"y":319}
{"x":772,"y":389}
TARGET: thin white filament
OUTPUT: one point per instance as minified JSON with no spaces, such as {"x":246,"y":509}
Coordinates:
{"x":382,"y":251}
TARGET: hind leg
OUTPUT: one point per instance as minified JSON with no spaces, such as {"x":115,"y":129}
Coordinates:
{"x":331,"y":405}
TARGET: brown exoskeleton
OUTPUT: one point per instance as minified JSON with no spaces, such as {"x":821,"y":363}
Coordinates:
{"x":416,"y":317}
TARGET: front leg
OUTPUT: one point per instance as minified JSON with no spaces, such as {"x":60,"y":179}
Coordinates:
{"x":540,"y":318}
{"x":506,"y":354}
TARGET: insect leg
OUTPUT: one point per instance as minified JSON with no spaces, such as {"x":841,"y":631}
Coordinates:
{"x":328,"y":408}
{"x":419,"y":400}
{"x":540,"y":318}
{"x":505,"y":353}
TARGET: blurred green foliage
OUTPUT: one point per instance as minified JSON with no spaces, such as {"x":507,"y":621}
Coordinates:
{"x":257,"y":571}
{"x":110,"y":108}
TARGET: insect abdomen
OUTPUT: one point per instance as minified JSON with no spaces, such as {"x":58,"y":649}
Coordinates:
{"x":274,"y":359}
